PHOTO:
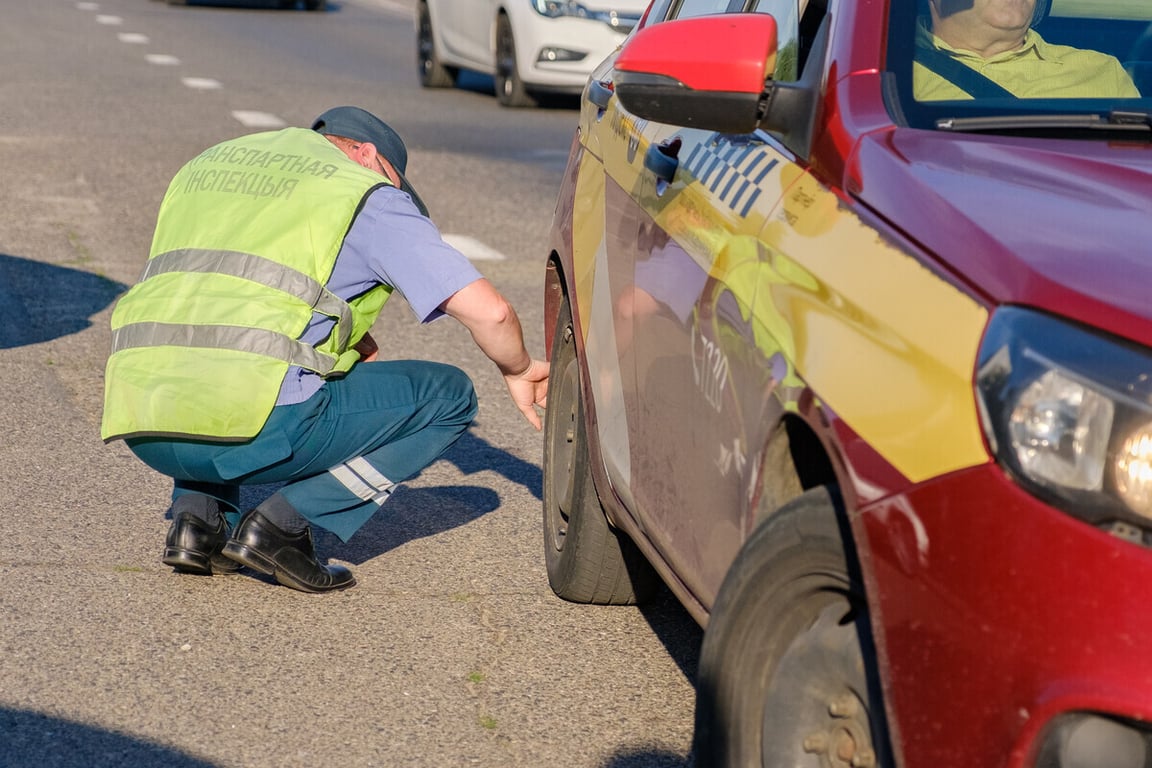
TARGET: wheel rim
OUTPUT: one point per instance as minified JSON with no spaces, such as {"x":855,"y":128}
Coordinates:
{"x":817,"y":702}
{"x":563,"y":449}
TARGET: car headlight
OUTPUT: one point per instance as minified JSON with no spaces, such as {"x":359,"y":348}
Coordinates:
{"x":1087,"y":740}
{"x":556,"y":8}
{"x":1068,"y":412}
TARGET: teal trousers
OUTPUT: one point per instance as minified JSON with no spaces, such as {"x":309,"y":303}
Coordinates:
{"x":340,"y":453}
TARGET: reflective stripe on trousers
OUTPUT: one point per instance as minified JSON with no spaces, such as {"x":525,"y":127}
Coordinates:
{"x":362,"y":479}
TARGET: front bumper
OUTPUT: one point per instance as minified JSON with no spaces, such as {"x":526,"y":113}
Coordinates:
{"x":537,"y":35}
{"x":997,"y":615}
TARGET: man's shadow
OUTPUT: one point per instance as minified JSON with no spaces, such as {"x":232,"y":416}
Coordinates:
{"x":40,"y":302}
{"x":414,"y":513}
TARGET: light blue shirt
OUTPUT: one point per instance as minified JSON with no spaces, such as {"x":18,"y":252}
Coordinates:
{"x":390,"y":243}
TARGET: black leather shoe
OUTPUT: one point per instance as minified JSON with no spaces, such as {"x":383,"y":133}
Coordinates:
{"x":194,"y":546}
{"x":290,"y":558}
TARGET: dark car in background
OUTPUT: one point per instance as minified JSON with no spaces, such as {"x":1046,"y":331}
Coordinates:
{"x":309,"y":5}
{"x":866,"y":380}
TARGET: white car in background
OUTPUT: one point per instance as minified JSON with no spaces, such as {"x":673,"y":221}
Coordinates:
{"x":530,"y":47}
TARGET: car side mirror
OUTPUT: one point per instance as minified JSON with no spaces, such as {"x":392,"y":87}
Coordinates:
{"x":706,"y":72}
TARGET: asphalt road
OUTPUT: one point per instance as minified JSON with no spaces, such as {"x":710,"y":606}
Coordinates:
{"x":452,"y":650}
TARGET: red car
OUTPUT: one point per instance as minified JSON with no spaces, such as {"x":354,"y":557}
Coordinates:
{"x":856,"y":356}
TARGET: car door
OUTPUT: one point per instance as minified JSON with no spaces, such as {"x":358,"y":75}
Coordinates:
{"x":705,"y":365}
{"x":466,"y":31}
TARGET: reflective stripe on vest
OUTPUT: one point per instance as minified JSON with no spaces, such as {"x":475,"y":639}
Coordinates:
{"x":254,"y":340}
{"x":258,"y":270}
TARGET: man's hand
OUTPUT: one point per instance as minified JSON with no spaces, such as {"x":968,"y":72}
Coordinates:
{"x":529,"y":389}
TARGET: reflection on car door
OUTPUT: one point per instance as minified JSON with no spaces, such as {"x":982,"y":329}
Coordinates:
{"x":704,"y":375}
{"x":604,"y":230}
{"x":690,"y":365}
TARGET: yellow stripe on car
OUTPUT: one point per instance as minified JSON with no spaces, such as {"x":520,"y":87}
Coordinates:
{"x":905,"y":340}
{"x":886,"y":343}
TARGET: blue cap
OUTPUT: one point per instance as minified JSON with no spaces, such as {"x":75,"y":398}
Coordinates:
{"x":361,"y":125}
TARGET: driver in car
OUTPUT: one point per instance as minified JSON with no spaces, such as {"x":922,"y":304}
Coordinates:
{"x":987,"y":48}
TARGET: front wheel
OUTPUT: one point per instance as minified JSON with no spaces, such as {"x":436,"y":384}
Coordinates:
{"x":588,"y":561}
{"x":510,"y":90}
{"x":787,"y":667}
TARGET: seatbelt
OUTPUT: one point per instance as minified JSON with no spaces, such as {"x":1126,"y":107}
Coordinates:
{"x":963,"y":77}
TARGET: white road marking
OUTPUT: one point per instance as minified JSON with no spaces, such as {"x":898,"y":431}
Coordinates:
{"x":258,"y":119}
{"x":473,"y":248}
{"x":201,"y":83}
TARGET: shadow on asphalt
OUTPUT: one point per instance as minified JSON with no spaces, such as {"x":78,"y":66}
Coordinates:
{"x":681,"y":636}
{"x":33,"y":740}
{"x":414,"y":513}
{"x":647,"y":758}
{"x":475,"y":82}
{"x":40,"y":302}
{"x":409,"y":515}
{"x":470,"y":454}
{"x":676,"y":629}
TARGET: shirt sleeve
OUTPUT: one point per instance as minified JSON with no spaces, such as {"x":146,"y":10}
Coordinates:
{"x":404,"y":249}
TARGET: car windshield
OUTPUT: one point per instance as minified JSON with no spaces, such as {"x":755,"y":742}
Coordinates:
{"x":1076,"y":67}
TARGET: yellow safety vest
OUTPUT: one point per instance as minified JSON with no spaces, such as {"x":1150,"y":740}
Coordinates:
{"x":246,"y":239}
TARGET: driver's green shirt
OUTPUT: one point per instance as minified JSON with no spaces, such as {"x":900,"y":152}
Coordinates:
{"x":1036,"y":70}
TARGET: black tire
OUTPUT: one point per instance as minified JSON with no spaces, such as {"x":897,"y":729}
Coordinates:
{"x":433,"y":74}
{"x":787,"y":666}
{"x":510,"y":90}
{"x":315,"y":5}
{"x":588,"y":561}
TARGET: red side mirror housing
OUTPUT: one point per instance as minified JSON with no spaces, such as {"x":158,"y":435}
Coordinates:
{"x":707,"y":71}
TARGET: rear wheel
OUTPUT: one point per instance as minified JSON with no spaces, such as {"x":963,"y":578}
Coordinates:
{"x":588,"y":561}
{"x":510,"y":90}
{"x":433,"y":74}
{"x":786,"y":672}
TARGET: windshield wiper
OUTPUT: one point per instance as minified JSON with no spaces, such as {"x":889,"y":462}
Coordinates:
{"x":1116,"y":120}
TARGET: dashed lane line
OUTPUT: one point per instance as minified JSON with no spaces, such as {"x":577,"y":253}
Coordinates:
{"x":201,"y":83}
{"x":252,"y":119}
{"x":472,"y":248}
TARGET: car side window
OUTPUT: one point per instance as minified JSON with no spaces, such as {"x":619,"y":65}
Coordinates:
{"x":657,"y":12}
{"x":685,"y":9}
